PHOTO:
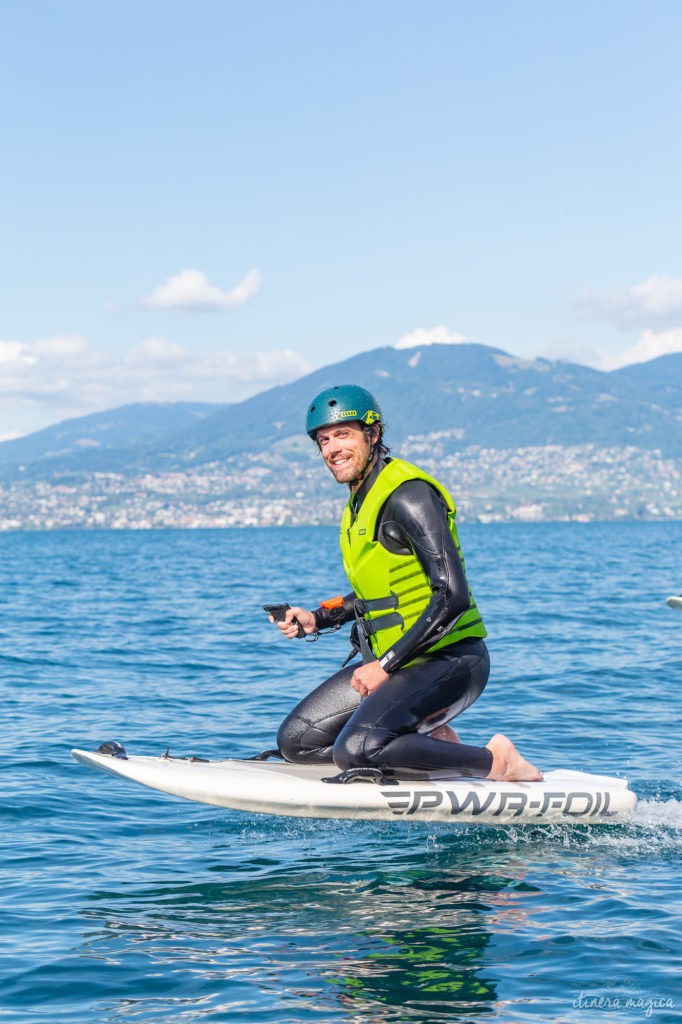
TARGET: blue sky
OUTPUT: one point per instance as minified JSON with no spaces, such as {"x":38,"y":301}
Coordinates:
{"x":204,"y":199}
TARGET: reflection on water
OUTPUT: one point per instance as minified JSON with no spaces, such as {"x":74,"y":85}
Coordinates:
{"x":434,"y":934}
{"x":410,"y":943}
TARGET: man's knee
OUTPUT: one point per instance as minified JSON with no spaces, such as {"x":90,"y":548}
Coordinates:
{"x":358,"y":750}
{"x":289,"y":739}
{"x":301,"y":742}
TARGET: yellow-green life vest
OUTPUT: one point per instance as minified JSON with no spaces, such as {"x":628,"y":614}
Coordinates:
{"x":393,"y":589}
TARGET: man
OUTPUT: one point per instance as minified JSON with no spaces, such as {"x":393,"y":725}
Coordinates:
{"x":416,"y":622}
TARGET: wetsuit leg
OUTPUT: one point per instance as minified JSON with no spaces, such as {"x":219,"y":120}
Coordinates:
{"x":308,"y":733}
{"x":390,"y":727}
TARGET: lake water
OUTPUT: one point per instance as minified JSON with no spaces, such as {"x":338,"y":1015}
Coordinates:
{"x":123,"y":905}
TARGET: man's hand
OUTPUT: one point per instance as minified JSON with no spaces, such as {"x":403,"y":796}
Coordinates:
{"x":367,"y":678}
{"x":290,"y":627}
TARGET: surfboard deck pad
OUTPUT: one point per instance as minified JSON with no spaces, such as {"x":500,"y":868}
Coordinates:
{"x":280,"y":788}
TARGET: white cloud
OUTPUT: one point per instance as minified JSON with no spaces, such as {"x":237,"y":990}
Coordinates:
{"x":659,"y":295}
{"x":20,"y":360}
{"x":62,"y":346}
{"x":156,"y":350}
{"x":58,"y":378}
{"x":430,"y":336}
{"x":651,"y":345}
{"x":213,"y":376}
{"x":14,"y":352}
{"x":191,"y":290}
{"x":654,"y":306}
{"x":658,"y":300}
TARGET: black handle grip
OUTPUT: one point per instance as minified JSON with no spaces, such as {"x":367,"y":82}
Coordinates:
{"x":278,"y":611}
{"x":279,"y":614}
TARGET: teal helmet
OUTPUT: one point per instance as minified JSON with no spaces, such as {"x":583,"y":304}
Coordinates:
{"x":341,"y":404}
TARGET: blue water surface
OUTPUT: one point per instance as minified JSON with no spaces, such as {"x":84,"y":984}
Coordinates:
{"x":123,"y":905}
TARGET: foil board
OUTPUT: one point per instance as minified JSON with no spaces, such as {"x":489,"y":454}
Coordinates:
{"x":280,"y":788}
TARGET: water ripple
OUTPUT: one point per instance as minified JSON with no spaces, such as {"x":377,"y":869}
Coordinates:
{"x":122,"y":905}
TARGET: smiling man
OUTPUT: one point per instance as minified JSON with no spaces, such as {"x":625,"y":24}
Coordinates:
{"x":417,"y":626}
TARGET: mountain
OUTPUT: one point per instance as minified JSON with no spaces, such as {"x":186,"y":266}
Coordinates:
{"x":481,"y":394}
{"x":117,"y":437}
{"x":474,"y":394}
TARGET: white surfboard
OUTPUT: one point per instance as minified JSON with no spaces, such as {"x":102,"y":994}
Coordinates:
{"x":275,"y":787}
{"x":675,"y":601}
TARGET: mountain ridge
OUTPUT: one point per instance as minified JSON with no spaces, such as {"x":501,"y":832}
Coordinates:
{"x":482,"y":395}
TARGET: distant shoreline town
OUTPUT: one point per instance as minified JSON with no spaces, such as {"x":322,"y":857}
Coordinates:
{"x":548,"y":483}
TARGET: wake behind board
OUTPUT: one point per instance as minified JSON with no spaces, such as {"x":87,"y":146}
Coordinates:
{"x":675,"y":601}
{"x":299,"y":791}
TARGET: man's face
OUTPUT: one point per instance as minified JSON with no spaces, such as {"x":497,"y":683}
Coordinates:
{"x":345,"y":448}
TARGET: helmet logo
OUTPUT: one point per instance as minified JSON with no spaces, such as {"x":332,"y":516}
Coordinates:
{"x":349,"y":414}
{"x":371,"y":416}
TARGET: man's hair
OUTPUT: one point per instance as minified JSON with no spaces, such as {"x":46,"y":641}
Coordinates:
{"x":381,"y":449}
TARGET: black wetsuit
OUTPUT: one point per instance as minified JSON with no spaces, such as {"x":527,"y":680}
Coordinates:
{"x":390,"y":727}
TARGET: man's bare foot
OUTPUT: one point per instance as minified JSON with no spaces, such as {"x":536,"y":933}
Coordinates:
{"x":508,"y":765}
{"x":446,"y":733}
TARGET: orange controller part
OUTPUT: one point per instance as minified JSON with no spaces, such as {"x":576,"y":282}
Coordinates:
{"x":332,"y":602}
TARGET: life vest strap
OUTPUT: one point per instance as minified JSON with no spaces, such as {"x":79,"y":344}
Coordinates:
{"x":372,"y":626}
{"x":365,"y":606}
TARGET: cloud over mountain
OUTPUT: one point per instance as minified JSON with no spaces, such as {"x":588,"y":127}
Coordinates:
{"x":655,"y":302}
{"x":650,"y":345}
{"x":654,"y":307}
{"x":66,"y":376}
{"x":431,"y":336}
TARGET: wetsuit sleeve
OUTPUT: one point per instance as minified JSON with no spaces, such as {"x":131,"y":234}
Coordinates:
{"x":414,"y":519}
{"x":326,"y":618}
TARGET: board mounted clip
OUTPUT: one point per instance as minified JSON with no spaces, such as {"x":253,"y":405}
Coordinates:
{"x":374,"y":775}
